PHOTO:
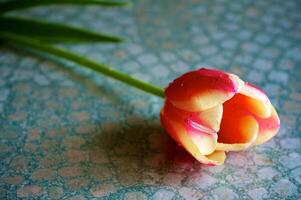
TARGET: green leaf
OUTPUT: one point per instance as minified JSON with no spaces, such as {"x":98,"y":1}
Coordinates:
{"x":52,"y":32}
{"x":22,"y":4}
{"x":26,"y":43}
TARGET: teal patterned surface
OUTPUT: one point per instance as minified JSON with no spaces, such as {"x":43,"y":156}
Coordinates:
{"x":68,"y":133}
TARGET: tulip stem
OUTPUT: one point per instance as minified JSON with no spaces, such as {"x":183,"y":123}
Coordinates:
{"x":85,"y":62}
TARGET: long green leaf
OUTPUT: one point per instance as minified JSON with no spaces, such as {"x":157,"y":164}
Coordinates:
{"x":13,"y":5}
{"x":52,"y":32}
{"x":26,"y":42}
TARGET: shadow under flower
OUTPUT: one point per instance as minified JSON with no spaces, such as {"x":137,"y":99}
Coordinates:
{"x":139,"y":154}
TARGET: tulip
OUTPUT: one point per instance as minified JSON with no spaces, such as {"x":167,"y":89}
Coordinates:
{"x":210,"y":112}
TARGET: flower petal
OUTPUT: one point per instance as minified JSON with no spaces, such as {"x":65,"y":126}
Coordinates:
{"x":253,"y":91}
{"x":268,"y":127}
{"x":239,"y":137}
{"x":211,"y":117}
{"x":255,"y":100}
{"x":190,"y":124}
{"x":202,"y":89}
{"x":238,"y":129}
{"x":201,"y":137}
{"x":178,"y":133}
{"x":216,"y":158}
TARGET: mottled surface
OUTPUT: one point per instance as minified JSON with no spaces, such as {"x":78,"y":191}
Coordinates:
{"x":73,"y":134}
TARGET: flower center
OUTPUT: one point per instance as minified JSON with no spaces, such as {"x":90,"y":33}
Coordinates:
{"x":238,"y":124}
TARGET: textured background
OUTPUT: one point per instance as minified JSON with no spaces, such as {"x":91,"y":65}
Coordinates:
{"x":73,"y":134}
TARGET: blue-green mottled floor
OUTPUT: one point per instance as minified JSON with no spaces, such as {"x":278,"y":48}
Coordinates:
{"x":73,"y":134}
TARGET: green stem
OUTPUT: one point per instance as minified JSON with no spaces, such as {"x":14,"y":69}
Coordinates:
{"x":8,"y":6}
{"x":101,"y":68}
{"x":52,"y":32}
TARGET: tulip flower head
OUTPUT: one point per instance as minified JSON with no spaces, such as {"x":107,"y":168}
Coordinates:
{"x":210,"y":112}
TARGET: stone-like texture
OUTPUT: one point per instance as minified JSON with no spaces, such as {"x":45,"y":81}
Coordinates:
{"x":224,"y":193}
{"x":201,"y":181}
{"x":258,"y":193}
{"x":190,"y":194}
{"x":42,"y":174}
{"x":163,"y":194}
{"x":74,"y":134}
{"x":285,"y":188}
{"x":77,"y":197}
{"x":55,"y":192}
{"x":28,"y":191}
{"x":103,"y":190}
{"x":14,"y":180}
{"x":77,"y":183}
{"x":135,"y":196}
{"x":70,"y":171}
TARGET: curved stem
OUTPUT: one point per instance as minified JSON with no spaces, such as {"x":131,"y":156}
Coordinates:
{"x":101,"y":68}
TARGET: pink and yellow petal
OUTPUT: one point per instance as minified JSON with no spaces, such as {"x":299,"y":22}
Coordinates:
{"x":255,"y":100}
{"x":232,"y":147}
{"x":189,"y":124}
{"x":268,"y":127}
{"x":179,"y":134}
{"x":202,"y":89}
{"x":211,"y":117}
{"x":216,"y":158}
{"x":201,"y":137}
{"x":254,"y":92}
